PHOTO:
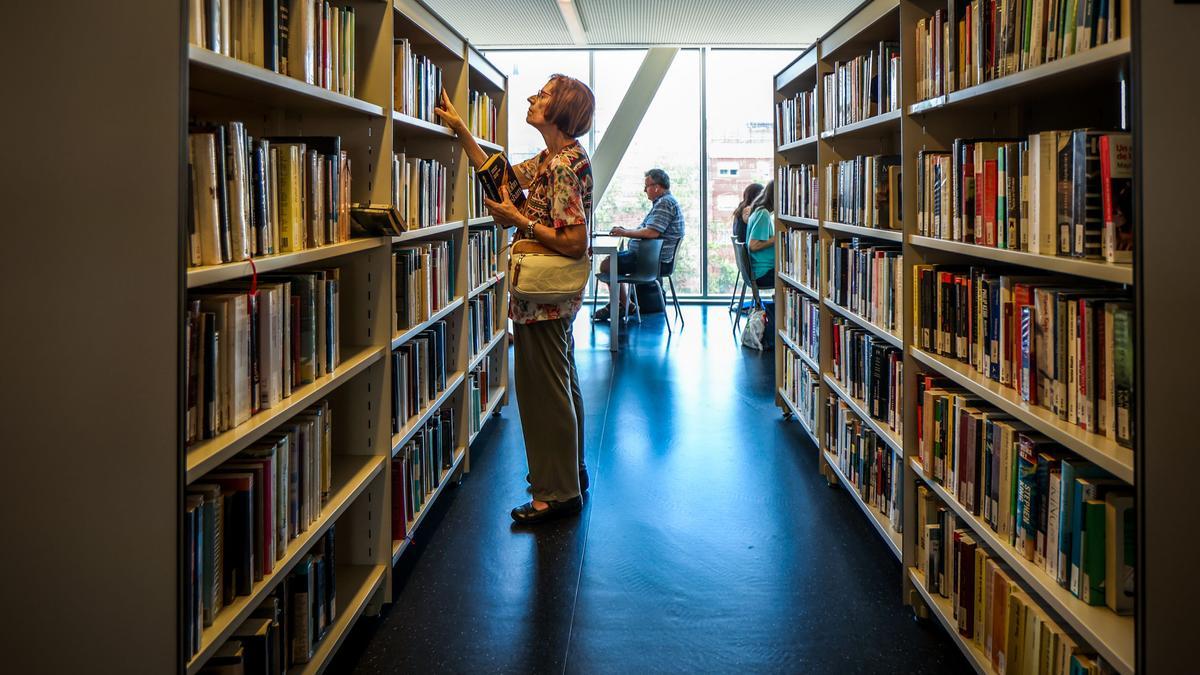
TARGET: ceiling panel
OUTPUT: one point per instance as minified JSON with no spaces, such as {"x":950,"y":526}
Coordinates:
{"x":516,"y":23}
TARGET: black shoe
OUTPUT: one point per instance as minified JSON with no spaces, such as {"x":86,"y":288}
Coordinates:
{"x":526,"y":514}
{"x":600,"y":314}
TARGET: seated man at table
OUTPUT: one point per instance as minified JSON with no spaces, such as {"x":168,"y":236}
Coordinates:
{"x":664,"y":221}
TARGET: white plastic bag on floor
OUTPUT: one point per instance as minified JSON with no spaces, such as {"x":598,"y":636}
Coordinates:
{"x":756,"y":326}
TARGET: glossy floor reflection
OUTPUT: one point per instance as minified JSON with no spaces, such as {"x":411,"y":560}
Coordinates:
{"x":709,"y":543}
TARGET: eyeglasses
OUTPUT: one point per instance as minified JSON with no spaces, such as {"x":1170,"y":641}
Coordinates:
{"x":542,"y":93}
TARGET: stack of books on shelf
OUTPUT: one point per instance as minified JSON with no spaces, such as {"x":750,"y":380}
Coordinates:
{"x":311,"y":41}
{"x":932,"y":53}
{"x":417,"y":83}
{"x":1066,"y":349}
{"x":796,"y":118}
{"x":864,"y":191}
{"x":867,"y":280}
{"x":483,"y":258}
{"x":992,"y":611}
{"x":481,"y":320}
{"x":424,"y":281}
{"x":475,"y":206}
{"x":251,"y":197}
{"x":866,"y":86}
{"x":1066,"y":193}
{"x":802,"y":386}
{"x":420,"y":190}
{"x":478,"y":394}
{"x":870,"y":370}
{"x":798,"y":190}
{"x":873,"y":469}
{"x":800,"y":256}
{"x":246,"y":351}
{"x":802,"y":322}
{"x":482,"y":116}
{"x":240,"y":517}
{"x":418,"y":374}
{"x":418,"y":469}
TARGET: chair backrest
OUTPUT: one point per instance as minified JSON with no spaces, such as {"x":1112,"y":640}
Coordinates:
{"x":645,"y":264}
{"x":741,"y":253}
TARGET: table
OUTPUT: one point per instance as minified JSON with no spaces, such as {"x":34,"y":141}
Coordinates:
{"x":609,"y":245}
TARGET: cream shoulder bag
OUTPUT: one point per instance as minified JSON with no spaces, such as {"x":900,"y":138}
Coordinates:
{"x":539,"y":274}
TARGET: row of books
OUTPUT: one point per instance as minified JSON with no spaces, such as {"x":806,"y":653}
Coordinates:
{"x":285,"y":630}
{"x":417,"y":83}
{"x":874,"y":470}
{"x":419,"y":468}
{"x":802,"y":321}
{"x":798,"y":190}
{"x":483,"y":116}
{"x":483,"y":256}
{"x":990,"y":609}
{"x":479,"y":392}
{"x":932,"y":53}
{"x":802,"y":387}
{"x":796,"y":117}
{"x":868,"y":280}
{"x":418,"y":373}
{"x":800,"y":255}
{"x":1054,"y":193}
{"x":869,"y":369}
{"x":309,"y":40}
{"x":420,"y":190}
{"x":424,"y":281}
{"x":866,"y":86}
{"x":1066,"y":348}
{"x":1064,"y":514}
{"x":241,"y":517}
{"x":248,"y":349}
{"x":481,"y":320}
{"x":258,"y":196}
{"x":475,"y":206}
{"x":864,"y":191}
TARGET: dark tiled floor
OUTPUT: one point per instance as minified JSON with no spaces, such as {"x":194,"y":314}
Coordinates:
{"x":709,"y":542}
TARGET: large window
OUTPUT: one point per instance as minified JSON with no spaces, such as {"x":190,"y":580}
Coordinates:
{"x":733,"y":122}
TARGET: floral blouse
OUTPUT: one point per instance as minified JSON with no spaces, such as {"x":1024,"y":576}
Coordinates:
{"x":559,"y":196}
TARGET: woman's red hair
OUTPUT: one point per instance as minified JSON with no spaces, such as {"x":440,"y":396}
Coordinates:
{"x":571,"y":106}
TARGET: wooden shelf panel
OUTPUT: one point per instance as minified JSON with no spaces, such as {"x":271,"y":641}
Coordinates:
{"x":228,"y":77}
{"x":431,"y":232}
{"x":1104,"y":630}
{"x":356,"y":585}
{"x":1095,"y":67}
{"x":886,"y":336}
{"x":870,"y":232}
{"x":1089,"y":269}
{"x":442,"y":313}
{"x":409,"y":429}
{"x":806,"y":143}
{"x":879,"y":125}
{"x":874,"y":515}
{"x":214,"y":274}
{"x":944,"y":611}
{"x":860,"y":408}
{"x":486,"y":285}
{"x":399,"y":547}
{"x":408,"y":126}
{"x":1104,"y":452}
{"x":799,"y":417}
{"x":795,"y":283}
{"x":493,"y":403}
{"x":808,"y":360}
{"x":487,"y":349}
{"x":351,"y":476}
{"x":798,"y":221}
{"x":207,"y":455}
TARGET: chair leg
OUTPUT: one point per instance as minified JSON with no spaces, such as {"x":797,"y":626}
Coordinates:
{"x":662,"y":294}
{"x":674,"y":299}
{"x":741,"y":301}
{"x":637,"y":306}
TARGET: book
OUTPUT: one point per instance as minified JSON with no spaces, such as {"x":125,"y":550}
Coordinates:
{"x":1120,"y":554}
{"x":1116,"y":176}
{"x":496,"y":171}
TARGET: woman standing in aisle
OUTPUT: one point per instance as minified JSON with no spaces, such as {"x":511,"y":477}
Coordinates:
{"x":555,"y":216}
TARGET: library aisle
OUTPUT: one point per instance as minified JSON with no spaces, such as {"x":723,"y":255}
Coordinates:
{"x":708,"y":541}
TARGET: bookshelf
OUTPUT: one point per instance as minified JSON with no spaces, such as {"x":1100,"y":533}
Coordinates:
{"x":1090,"y":88}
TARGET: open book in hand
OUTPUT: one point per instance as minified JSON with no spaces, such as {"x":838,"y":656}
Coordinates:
{"x":494,"y":172}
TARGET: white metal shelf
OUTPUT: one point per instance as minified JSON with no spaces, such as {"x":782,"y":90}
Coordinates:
{"x":944,"y":611}
{"x":798,"y":221}
{"x":410,"y":333}
{"x":881,"y":523}
{"x":1107,"y":632}
{"x":860,"y":231}
{"x":485,"y":220}
{"x":415,"y":423}
{"x":410,"y":126}
{"x":805,"y":143}
{"x":881,"y":333}
{"x":356,"y":585}
{"x":799,"y":417}
{"x":1079,"y":267}
{"x":1104,"y":452}
{"x":859,"y":407}
{"x":795,"y":283}
{"x":399,"y":547}
{"x":494,"y":396}
{"x":790,"y":344}
{"x":351,"y":476}
{"x":487,"y":348}
{"x":486,"y":285}
{"x":883,"y":123}
{"x":431,"y":232}
{"x":207,"y":455}
{"x":489,"y":145}
{"x":213,"y":274}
